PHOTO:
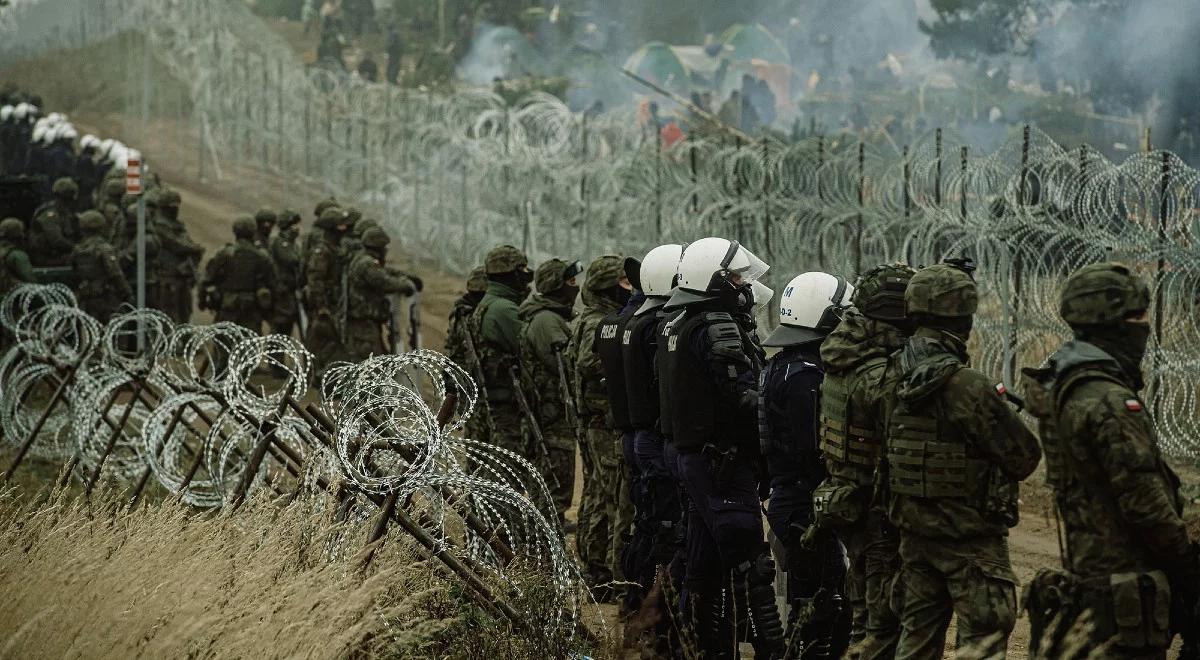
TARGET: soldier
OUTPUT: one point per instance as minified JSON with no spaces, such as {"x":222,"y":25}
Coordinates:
{"x":55,"y":227}
{"x":322,"y":287}
{"x":126,"y":247}
{"x":178,"y":259}
{"x":1125,"y":547}
{"x":239,"y":279}
{"x":457,"y":347}
{"x":710,"y":374}
{"x":370,"y":285}
{"x":605,"y":504}
{"x":110,"y":205}
{"x":955,"y":456}
{"x":658,"y":524}
{"x":285,"y":253}
{"x":788,"y":406}
{"x":264,"y":221}
{"x":101,"y":287}
{"x":545,"y":334}
{"x":15,"y":267}
{"x":495,"y":331}
{"x":852,"y":427}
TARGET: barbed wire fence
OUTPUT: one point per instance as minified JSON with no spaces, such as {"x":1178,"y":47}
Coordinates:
{"x":452,"y":175}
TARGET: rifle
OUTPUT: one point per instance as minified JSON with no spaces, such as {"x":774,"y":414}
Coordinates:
{"x":301,"y":315}
{"x":563,"y":382}
{"x":339,"y":321}
{"x":473,"y":358}
{"x":394,"y":325}
{"x":533,"y":424}
{"x":414,"y":321}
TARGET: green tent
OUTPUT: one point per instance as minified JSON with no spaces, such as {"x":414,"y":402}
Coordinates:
{"x":657,"y":63}
{"x":754,"y":42}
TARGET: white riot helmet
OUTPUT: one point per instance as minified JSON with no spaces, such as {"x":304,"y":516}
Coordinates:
{"x":39,"y":133}
{"x":89,"y":141}
{"x":21,"y":111}
{"x":57,"y":118}
{"x":6,"y":113}
{"x":707,"y":270}
{"x":67,"y":132}
{"x":658,"y":273}
{"x":812,"y":305}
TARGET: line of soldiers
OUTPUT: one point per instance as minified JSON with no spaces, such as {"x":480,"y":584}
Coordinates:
{"x":889,"y":468}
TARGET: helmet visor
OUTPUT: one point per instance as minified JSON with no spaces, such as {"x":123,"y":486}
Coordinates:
{"x":745,"y":263}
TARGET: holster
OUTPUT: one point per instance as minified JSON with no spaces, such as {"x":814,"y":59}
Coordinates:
{"x":720,"y":463}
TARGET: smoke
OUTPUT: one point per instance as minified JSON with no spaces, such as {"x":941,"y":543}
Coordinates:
{"x":500,"y":52}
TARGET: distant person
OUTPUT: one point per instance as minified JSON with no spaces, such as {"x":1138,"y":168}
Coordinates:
{"x":368,"y":70}
{"x":395,"y":52}
{"x":730,"y":113}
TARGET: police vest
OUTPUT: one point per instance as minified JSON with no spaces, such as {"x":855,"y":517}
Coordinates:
{"x":610,"y":335}
{"x":700,"y":415}
{"x":928,"y":457}
{"x":781,"y":443}
{"x":850,"y":438}
{"x":662,"y":330}
{"x":641,"y":383}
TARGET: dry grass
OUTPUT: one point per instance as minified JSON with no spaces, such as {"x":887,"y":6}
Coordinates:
{"x":87,"y":580}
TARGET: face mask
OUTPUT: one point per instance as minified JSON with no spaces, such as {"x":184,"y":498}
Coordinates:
{"x":524,"y":278}
{"x":1126,"y":342}
{"x":565,"y":295}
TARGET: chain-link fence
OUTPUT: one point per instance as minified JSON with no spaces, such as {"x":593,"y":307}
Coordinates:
{"x":453,"y":175}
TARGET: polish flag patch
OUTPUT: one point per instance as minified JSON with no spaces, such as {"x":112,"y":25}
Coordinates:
{"x":1133,"y":405}
{"x":1001,"y":389}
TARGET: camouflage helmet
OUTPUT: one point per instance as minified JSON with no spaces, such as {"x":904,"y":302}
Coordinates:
{"x":362,"y":226}
{"x":169,"y":197}
{"x":65,"y":187}
{"x":12,"y":228}
{"x":879,"y":292}
{"x":605,"y":272}
{"x":265,"y":217}
{"x":324,"y":205}
{"x":551,"y":276}
{"x":288,"y":218}
{"x":113,"y":189}
{"x":941,"y":290}
{"x":244,"y":227}
{"x":504,"y":259}
{"x":477,"y":282}
{"x":375,"y":238}
{"x":330,"y":218}
{"x":153,"y":198}
{"x":1103,"y":293}
{"x":93,"y":222}
{"x":353,"y":215}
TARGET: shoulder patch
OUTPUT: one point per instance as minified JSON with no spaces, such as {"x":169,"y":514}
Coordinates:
{"x":1001,"y":389}
{"x":1133,"y":405}
{"x":718,"y":316}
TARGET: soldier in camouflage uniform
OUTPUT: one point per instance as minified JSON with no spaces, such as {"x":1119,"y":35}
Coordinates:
{"x":605,"y":511}
{"x":545,"y":334}
{"x":956,"y":454}
{"x":457,"y":348}
{"x":1125,"y":546}
{"x":101,"y":287}
{"x":178,"y":259}
{"x":15,"y":268}
{"x":126,"y":246}
{"x":239,"y":280}
{"x":495,"y":330}
{"x":322,"y":287}
{"x":285,"y":253}
{"x":109,"y":203}
{"x":264,"y":221}
{"x":852,"y":428}
{"x":370,"y":285}
{"x":55,"y":227}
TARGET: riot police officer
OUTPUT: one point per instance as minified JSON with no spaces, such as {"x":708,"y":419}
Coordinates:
{"x":788,"y":407}
{"x":710,"y":373}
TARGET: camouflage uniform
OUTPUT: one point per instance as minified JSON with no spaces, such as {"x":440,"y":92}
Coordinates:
{"x":852,"y":428}
{"x":101,"y":287}
{"x":322,"y":288}
{"x":605,"y":510}
{"x":544,"y":335}
{"x":495,"y":330}
{"x":264,"y":221}
{"x":285,"y":253}
{"x":126,"y":246}
{"x":239,"y":280}
{"x":1125,"y":545}
{"x":178,"y":258}
{"x":457,"y":348}
{"x":110,"y":205}
{"x":55,"y":227}
{"x":956,"y":453}
{"x":370,"y":285}
{"x":15,"y":268}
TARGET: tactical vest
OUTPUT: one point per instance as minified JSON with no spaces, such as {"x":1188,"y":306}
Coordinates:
{"x":91,"y":274}
{"x":700,"y":415}
{"x":929,"y":458}
{"x":494,"y":362}
{"x":638,"y":345}
{"x":662,"y":331}
{"x":778,"y":440}
{"x":242,"y":267}
{"x":850,"y":440}
{"x":365,"y":303}
{"x":609,"y":339}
